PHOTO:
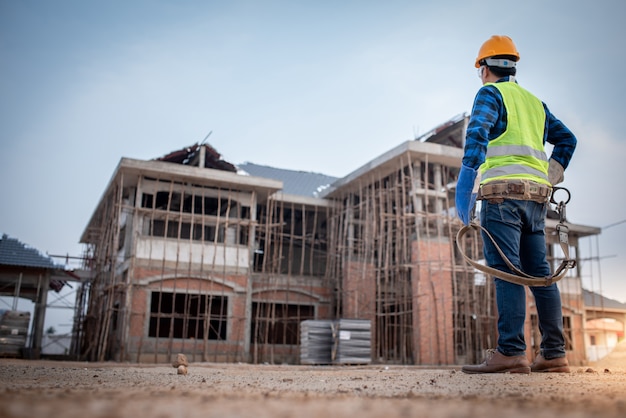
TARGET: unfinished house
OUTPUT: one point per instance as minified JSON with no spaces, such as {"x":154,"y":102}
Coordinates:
{"x":191,"y":255}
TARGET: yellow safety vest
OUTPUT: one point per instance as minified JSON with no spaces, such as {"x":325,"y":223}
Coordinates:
{"x":518,"y":154}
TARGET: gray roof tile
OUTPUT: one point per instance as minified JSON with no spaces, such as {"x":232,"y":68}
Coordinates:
{"x":301,"y":183}
{"x":15,"y":253}
{"x":598,"y":301}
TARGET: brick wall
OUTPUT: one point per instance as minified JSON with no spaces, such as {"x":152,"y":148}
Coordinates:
{"x":432,"y":302}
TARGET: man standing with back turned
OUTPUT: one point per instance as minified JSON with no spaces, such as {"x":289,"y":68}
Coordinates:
{"x":505,"y":155}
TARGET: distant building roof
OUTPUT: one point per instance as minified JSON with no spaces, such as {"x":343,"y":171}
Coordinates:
{"x":596,"y":300}
{"x":301,"y":183}
{"x":15,"y":253}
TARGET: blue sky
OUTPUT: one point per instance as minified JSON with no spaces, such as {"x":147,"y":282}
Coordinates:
{"x":321,"y":86}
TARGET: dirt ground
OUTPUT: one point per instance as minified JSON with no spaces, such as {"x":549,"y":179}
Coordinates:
{"x":32,"y":389}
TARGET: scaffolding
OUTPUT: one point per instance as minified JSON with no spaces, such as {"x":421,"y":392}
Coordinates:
{"x":394,"y":234}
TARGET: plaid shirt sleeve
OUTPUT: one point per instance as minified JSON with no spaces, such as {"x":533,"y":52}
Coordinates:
{"x":484,"y":124}
{"x":557,"y":134}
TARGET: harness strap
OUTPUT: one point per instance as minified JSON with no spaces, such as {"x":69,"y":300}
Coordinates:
{"x":518,"y":276}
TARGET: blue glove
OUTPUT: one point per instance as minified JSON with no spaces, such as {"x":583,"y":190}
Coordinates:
{"x":464,"y":197}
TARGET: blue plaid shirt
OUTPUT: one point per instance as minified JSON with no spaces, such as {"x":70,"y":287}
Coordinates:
{"x":488,"y":121}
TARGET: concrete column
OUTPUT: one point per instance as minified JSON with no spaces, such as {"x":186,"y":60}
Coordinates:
{"x":418,"y":200}
{"x":438,"y":183}
{"x":247,"y":328}
{"x":39,"y":316}
{"x":202,"y":160}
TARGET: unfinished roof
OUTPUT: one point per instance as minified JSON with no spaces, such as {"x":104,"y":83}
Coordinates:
{"x":15,"y":253}
{"x":450,"y":133}
{"x":129,"y":171}
{"x":199,"y":155}
{"x":300,"y":183}
{"x":388,"y":163}
{"x":442,"y":145}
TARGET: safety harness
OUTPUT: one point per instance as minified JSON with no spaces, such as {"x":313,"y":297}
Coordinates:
{"x":518,"y":276}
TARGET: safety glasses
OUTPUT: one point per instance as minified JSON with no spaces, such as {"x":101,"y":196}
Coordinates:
{"x":480,"y":71}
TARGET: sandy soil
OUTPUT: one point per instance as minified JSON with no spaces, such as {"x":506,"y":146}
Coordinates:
{"x":72,"y":389}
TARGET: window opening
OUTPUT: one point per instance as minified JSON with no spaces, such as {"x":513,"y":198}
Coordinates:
{"x":184,"y":315}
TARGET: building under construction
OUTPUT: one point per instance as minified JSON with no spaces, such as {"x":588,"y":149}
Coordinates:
{"x":190,"y":254}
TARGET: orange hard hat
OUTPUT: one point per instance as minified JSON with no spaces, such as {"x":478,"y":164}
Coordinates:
{"x":497,"y":45}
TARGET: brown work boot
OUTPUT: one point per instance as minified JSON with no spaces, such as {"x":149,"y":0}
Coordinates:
{"x":496,"y":362}
{"x":554,"y":365}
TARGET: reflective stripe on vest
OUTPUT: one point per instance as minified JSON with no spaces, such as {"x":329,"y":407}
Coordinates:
{"x":519,"y":152}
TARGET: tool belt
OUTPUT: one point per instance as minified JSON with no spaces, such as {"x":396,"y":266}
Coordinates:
{"x":497,"y":191}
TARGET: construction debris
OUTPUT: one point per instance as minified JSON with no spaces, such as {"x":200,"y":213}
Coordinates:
{"x":181,"y":360}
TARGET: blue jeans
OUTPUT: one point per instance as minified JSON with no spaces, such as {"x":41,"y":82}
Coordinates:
{"x":518,"y":226}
